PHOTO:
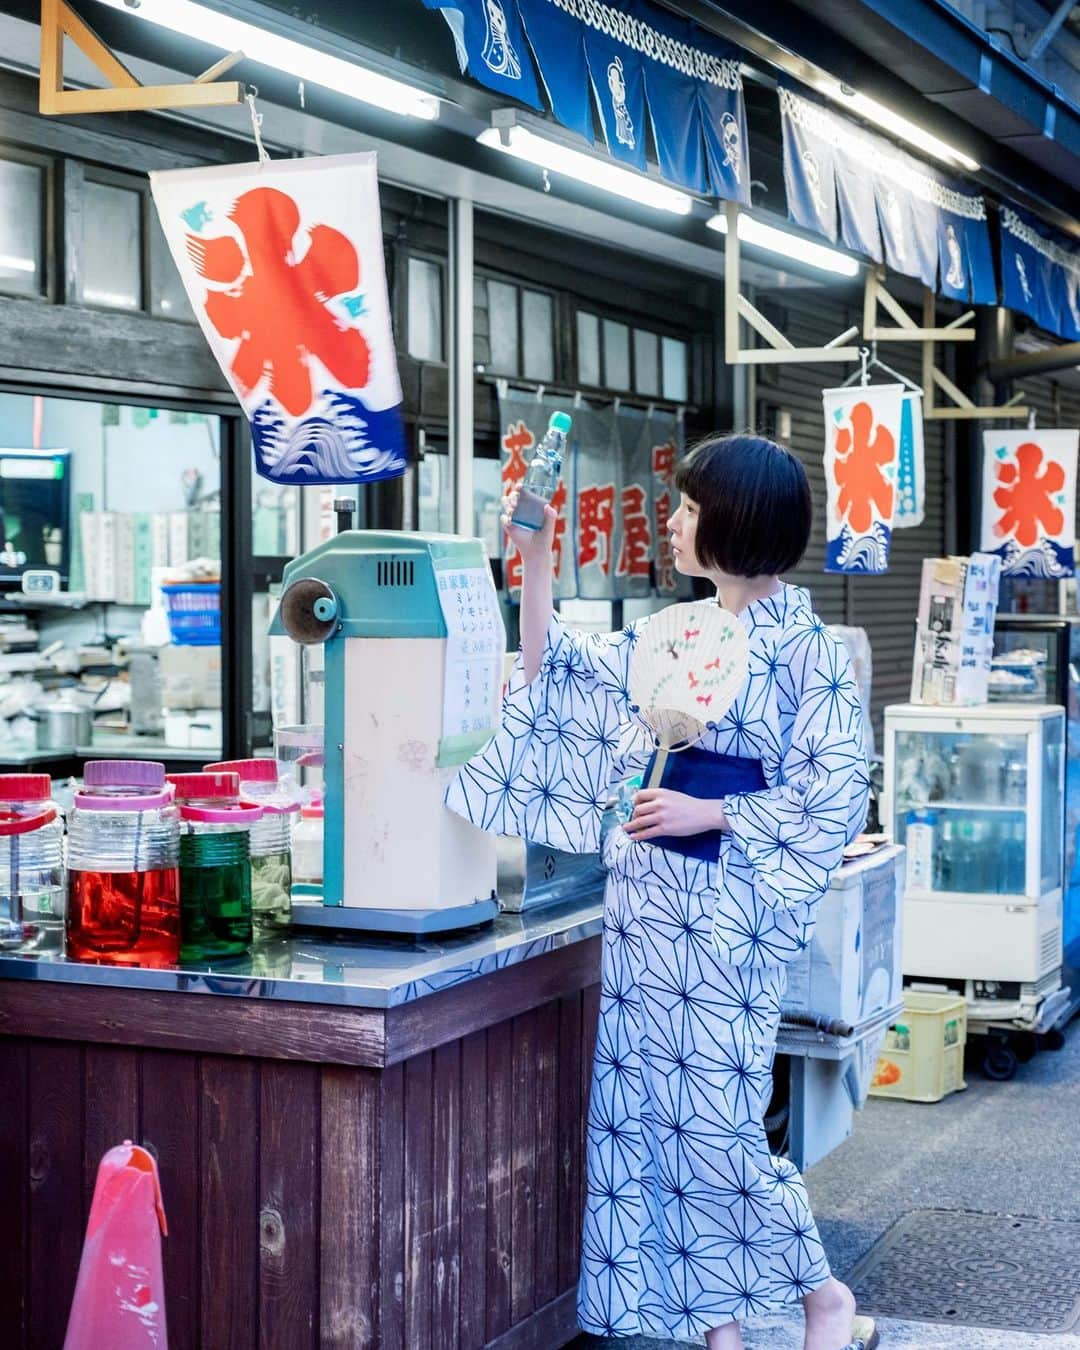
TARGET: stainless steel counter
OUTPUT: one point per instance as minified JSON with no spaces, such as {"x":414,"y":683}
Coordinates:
{"x":377,"y":972}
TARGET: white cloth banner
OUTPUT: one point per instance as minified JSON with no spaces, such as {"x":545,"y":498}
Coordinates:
{"x":1029,"y":501}
{"x":283,"y":265}
{"x":863,"y":426}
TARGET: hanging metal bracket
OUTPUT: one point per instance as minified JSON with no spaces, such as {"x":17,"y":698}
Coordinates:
{"x":125,"y":93}
{"x":737,"y":307}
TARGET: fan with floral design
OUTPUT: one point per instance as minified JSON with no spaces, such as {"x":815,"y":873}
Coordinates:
{"x":688,"y":664}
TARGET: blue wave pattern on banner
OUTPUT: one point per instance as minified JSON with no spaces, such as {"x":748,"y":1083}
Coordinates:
{"x":860,"y":190}
{"x":859,"y":553}
{"x":1047,"y":560}
{"x":1040,"y":273}
{"x":348,"y":443}
{"x":648,"y":71}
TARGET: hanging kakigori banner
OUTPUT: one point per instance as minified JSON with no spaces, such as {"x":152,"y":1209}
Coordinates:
{"x":858,"y":189}
{"x":283,"y":265}
{"x":615,"y":496}
{"x":1040,"y":274}
{"x":863,"y":429}
{"x":648,"y":71}
{"x":1029,"y":501}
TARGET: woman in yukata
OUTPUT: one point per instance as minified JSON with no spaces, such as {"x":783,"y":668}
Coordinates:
{"x":691,"y":1225}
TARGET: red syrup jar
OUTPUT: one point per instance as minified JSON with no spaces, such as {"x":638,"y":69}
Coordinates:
{"x":123,"y":873}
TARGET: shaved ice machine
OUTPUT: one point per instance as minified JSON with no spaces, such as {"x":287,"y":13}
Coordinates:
{"x":414,"y":644}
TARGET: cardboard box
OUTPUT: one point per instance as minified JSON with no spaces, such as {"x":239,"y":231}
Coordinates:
{"x":190,"y":677}
{"x":954,"y":640}
{"x":852,"y":967}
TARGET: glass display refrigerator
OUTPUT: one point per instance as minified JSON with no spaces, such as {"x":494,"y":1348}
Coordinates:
{"x":976,"y":795}
{"x":1037,"y":661}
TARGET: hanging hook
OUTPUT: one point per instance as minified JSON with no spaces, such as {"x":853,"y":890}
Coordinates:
{"x":256,"y":123}
{"x":864,"y":357}
{"x":1031,"y":420}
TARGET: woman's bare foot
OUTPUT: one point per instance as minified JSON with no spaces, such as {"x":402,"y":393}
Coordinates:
{"x":829,"y":1313}
{"x":727,"y":1337}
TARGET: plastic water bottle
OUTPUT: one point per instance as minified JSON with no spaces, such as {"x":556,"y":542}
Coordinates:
{"x":123,"y":882}
{"x":271,"y":846}
{"x":542,"y":478}
{"x":31,"y":865}
{"x":307,"y":849}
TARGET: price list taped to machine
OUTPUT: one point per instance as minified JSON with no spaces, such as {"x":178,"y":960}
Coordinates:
{"x":475,"y":645}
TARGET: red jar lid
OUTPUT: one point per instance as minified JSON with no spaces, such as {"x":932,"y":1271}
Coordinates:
{"x":219,"y":787}
{"x":248,"y":770}
{"x":25,"y":787}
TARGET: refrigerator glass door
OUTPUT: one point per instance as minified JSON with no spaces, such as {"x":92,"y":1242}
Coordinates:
{"x":963,"y":797}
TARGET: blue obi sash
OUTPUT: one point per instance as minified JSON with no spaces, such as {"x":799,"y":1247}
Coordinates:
{"x":701,"y":773}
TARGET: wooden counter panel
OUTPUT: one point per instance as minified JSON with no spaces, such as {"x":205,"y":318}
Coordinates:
{"x":169,"y":1020}
{"x":435,"y":1202}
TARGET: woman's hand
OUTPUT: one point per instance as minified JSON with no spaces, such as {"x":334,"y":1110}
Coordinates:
{"x":659,"y":811}
{"x":533,"y":545}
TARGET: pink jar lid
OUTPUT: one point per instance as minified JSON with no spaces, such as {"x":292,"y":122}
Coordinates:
{"x":311,"y":812}
{"x":132,"y":800}
{"x":25,"y":787}
{"x":247,"y":770}
{"x":228,"y":813}
{"x":130,"y":773}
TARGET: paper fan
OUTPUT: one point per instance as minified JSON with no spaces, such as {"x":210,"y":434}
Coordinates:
{"x":689,"y":663}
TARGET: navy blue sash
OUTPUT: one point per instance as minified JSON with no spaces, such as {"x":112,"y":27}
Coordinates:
{"x":701,"y":773}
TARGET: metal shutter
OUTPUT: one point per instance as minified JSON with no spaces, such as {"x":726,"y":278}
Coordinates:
{"x":885,"y":606}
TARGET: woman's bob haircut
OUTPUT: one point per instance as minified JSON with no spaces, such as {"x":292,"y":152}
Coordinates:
{"x":754,"y":505}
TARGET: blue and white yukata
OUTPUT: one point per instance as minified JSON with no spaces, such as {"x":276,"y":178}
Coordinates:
{"x":690,"y":1223}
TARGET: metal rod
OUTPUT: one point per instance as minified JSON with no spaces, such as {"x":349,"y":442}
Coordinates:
{"x":1050,"y":31}
{"x":462,"y":362}
{"x":1035,"y":363}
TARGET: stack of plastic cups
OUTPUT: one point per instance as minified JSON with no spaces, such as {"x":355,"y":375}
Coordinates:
{"x":31,"y":865}
{"x":215,"y":865}
{"x":271,"y":843}
{"x":123,"y":882}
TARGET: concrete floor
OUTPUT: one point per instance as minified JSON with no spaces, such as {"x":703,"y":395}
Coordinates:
{"x":996,"y":1148}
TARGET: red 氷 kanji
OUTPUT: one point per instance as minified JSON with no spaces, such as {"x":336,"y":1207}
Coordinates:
{"x":860,"y":459}
{"x":277,"y":304}
{"x":637,"y":537}
{"x":1024,"y":495}
{"x":596,"y":521}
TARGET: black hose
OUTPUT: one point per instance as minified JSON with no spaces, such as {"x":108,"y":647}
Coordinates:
{"x":828,"y":1026}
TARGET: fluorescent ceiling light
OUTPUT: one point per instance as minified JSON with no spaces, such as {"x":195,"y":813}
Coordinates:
{"x":788,"y":245}
{"x":524,"y":144}
{"x":900,"y":127}
{"x":295,"y":58}
{"x":9,"y":263}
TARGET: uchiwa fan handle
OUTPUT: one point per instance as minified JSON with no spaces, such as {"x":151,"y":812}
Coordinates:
{"x":659,"y":763}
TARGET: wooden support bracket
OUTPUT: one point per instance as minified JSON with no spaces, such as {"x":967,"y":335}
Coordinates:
{"x":125,"y":93}
{"x":738,"y":307}
{"x":961,"y":408}
{"x":876,"y":294}
{"x":934,"y":380}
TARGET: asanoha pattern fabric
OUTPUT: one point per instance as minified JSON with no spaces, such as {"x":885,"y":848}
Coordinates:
{"x":690,"y":1222}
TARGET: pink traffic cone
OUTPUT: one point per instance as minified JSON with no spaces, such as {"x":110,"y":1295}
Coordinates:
{"x":120,"y":1293}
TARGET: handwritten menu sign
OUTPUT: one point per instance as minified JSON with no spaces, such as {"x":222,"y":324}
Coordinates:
{"x":475,"y":644}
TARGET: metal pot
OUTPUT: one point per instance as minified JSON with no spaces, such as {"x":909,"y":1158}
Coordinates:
{"x":63,"y":726}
